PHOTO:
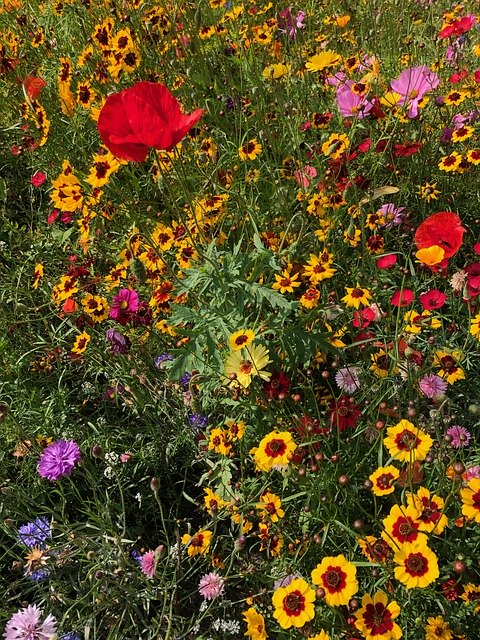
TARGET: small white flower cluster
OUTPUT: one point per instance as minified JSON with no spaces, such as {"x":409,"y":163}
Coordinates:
{"x":226,"y":626}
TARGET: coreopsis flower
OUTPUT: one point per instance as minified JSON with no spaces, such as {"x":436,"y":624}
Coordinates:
{"x":37,"y":274}
{"x":356,"y":296}
{"x":255,"y":624}
{"x":243,"y":365}
{"x":268,"y":542}
{"x":417,"y":565}
{"x":412,"y":85}
{"x":383,"y":480}
{"x":219,"y":441}
{"x":475,"y":326}
{"x":437,"y":629}
{"x":381,"y":364}
{"x":294,"y":604}
{"x":470,"y":496}
{"x":27,"y":624}
{"x":471,"y":594}
{"x":236,"y":429}
{"x":323,"y":60}
{"x":58,"y":459}
{"x":67,"y":192}
{"x":451,"y":162}
{"x":375,"y":549}
{"x":343,"y":413}
{"x":322,"y":635}
{"x":429,"y":509}
{"x":250,"y":150}
{"x":213,"y":502}
{"x":274,"y":450}
{"x":96,"y":307}
{"x":375,"y":619}
{"x":199,"y":543}
{"x":141,"y":117}
{"x":407,"y":443}
{"x":335,"y":145}
{"x":271,"y":507}
{"x":241,"y":338}
{"x":337,"y":576}
{"x":286,"y":283}
{"x":400,"y":526}
{"x":449,"y":369}
{"x":428,"y":191}
{"x":81,"y":343}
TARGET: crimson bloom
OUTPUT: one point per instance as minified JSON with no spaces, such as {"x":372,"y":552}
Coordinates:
{"x":33,"y":86}
{"x":402,"y":298}
{"x":432,"y":299}
{"x":143,"y":116}
{"x":462,"y":25}
{"x":443,"y":229}
{"x":343,"y":413}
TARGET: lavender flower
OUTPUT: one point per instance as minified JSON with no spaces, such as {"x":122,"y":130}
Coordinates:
{"x":432,"y":385}
{"x":159,"y":360}
{"x":35,"y":533}
{"x":347,"y":379}
{"x":393,"y":215}
{"x":119,"y":344}
{"x":58,"y":459}
{"x":460,"y":437}
{"x":38,"y":575}
{"x":211,"y":586}
{"x":26,"y":624}
{"x":197,"y":421}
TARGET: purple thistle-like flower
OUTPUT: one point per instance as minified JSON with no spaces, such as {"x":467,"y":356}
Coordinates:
{"x":34,"y":534}
{"x":38,"y":575}
{"x":58,"y":459}
{"x":185,"y":379}
{"x":460,"y":437}
{"x":432,"y":385}
{"x":147,"y":563}
{"x":159,"y":360}
{"x":26,"y":624}
{"x":211,"y":586}
{"x":119,"y":344}
{"x":347,"y":379}
{"x":197,"y":421}
{"x":412,"y":85}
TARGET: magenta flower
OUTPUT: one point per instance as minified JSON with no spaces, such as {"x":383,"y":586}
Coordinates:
{"x":26,"y":624}
{"x":124,"y":305}
{"x":287,"y":23}
{"x":211,"y":586}
{"x":460,"y":437}
{"x":350,"y":104}
{"x":432,"y":385}
{"x":147,"y":563}
{"x":58,"y":459}
{"x":412,"y":85}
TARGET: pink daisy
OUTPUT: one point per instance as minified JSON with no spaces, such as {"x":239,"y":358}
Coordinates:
{"x":432,"y":385}
{"x":460,"y":437}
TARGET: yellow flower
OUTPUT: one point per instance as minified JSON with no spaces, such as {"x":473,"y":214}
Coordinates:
{"x":276,"y":71}
{"x":471,"y":594}
{"x":475,"y":326}
{"x":447,"y":361}
{"x":462,"y":133}
{"x":338,"y":577}
{"x":96,"y":307}
{"x":456,"y":97}
{"x":336,"y":144}
{"x":429,"y":509}
{"x":407,"y":443}
{"x":255,"y":625}
{"x":199,"y":543}
{"x":401,"y":527}
{"x":470,"y":496}
{"x":381,"y":364}
{"x":428,"y":191}
{"x":213,"y":502}
{"x":417,"y":565}
{"x":286,"y":283}
{"x":375,"y":618}
{"x":241,"y":338}
{"x":310,"y":298}
{"x":294,"y":604}
{"x":383,"y":480}
{"x":317,"y":270}
{"x":250,"y":150}
{"x":81,"y":343}
{"x":323,"y":635}
{"x":37,"y":274}
{"x":356,"y":296}
{"x":236,"y":429}
{"x":323,"y":60}
{"x":275,"y":450}
{"x":450,"y":162}
{"x":270,"y":505}
{"x":243,"y":365}
{"x":437,"y":629}
{"x":431,"y":255}
{"x":219,"y":442}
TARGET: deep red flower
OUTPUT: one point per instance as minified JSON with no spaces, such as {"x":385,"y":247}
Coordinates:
{"x":407,"y":149}
{"x":402,"y":298}
{"x":476,"y":248}
{"x":33,"y":86}
{"x":442,"y":229}
{"x":38,"y":179}
{"x":144,"y":116}
{"x":387,"y":262}
{"x":343,"y":413}
{"x":458,"y":76}
{"x":362,"y":318}
{"x":462,"y":25}
{"x":277,"y":387}
{"x":432,"y":299}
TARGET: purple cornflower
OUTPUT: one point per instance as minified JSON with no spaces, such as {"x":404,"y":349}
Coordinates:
{"x":147,"y":563}
{"x":347,"y":379}
{"x":287,"y":23}
{"x":119,"y":344}
{"x":412,"y":84}
{"x":159,"y":360}
{"x":26,"y":624}
{"x":432,"y":385}
{"x":69,"y":636}
{"x":58,"y":459}
{"x":124,"y":304}
{"x":185,"y":379}
{"x":351,"y":104}
{"x":211,"y":586}
{"x":35,"y":533}
{"x":197,"y":421}
{"x":38,"y":575}
{"x":460,"y":437}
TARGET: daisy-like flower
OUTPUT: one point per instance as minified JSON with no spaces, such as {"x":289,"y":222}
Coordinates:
{"x":250,"y":150}
{"x":274,"y":450}
{"x":437,"y":629}
{"x":58,"y":459}
{"x":356,"y":296}
{"x":450,"y":162}
{"x":383,"y":480}
{"x":407,"y":443}
{"x":246,"y":364}
{"x":81,"y":343}
{"x":323,"y":60}
{"x":381,"y":364}
{"x":27,"y":624}
{"x":286,"y":283}
{"x":241,"y":338}
{"x":375,"y":549}
{"x":447,"y":361}
{"x":347,"y":379}
{"x":460,"y":437}
{"x":212,"y":501}
{"x":429,"y":509}
{"x":255,"y":624}
{"x":470,"y":496}
{"x":211,"y":586}
{"x":428,"y":191}
{"x":199,"y":543}
{"x":375,"y":620}
{"x":417,"y":565}
{"x":338,"y":577}
{"x":471,"y":594}
{"x":335,"y":145}
{"x":271,"y":507}
{"x":294,"y":604}
{"x":36,"y":533}
{"x":432,"y":385}
{"x":219,"y":441}
{"x":475,"y":326}
{"x":401,"y":527}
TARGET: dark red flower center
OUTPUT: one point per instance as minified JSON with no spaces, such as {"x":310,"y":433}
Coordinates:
{"x":405,"y":530}
{"x":334,"y":579}
{"x":241,"y":340}
{"x":416,"y":564}
{"x":275,"y":448}
{"x":378,"y":619}
{"x":294,"y":603}
{"x":385,"y":481}
{"x":407,"y":441}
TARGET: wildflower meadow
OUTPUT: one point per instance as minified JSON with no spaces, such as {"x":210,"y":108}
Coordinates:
{"x":240,"y":320}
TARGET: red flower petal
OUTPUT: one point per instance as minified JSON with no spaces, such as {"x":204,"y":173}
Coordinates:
{"x":443,"y":229}
{"x":433,"y":299}
{"x":402,"y":298}
{"x":387,"y":262}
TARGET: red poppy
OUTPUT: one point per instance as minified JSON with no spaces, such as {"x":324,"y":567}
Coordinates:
{"x":33,"y":86}
{"x":363,"y":318}
{"x":476,"y":248}
{"x":387,"y":262}
{"x":462,"y":25}
{"x":402,"y":298}
{"x":432,"y":299}
{"x":143,"y":116}
{"x":442,"y":229}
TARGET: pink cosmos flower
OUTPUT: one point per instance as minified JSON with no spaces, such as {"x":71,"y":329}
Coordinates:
{"x":460,"y":436}
{"x":26,"y":624}
{"x":432,"y":385}
{"x":211,"y":586}
{"x":351,"y":104}
{"x":124,"y":305}
{"x":147,"y":564}
{"x":472,"y":472}
{"x":412,"y":84}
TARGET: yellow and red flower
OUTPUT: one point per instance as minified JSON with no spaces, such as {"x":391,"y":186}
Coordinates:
{"x":470,"y":496}
{"x":407,"y":443}
{"x":255,"y":624}
{"x":417,"y":565}
{"x":199,"y":543}
{"x":294,"y":604}
{"x":271,"y":507}
{"x":383,"y":480}
{"x":274,"y":451}
{"x":401,"y":527}
{"x":337,"y":576}
{"x":375,"y":620}
{"x":429,"y":509}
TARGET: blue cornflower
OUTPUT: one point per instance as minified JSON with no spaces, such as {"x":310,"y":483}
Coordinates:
{"x":34,"y":534}
{"x":185,"y":379}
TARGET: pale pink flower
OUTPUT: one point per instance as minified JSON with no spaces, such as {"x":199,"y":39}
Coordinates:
{"x":347,"y":379}
{"x":147,"y":564}
{"x":460,"y":436}
{"x":26,"y":624}
{"x":211,"y":586}
{"x":472,"y":472}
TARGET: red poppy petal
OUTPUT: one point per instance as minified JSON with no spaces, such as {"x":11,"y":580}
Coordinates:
{"x":443,"y":229}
